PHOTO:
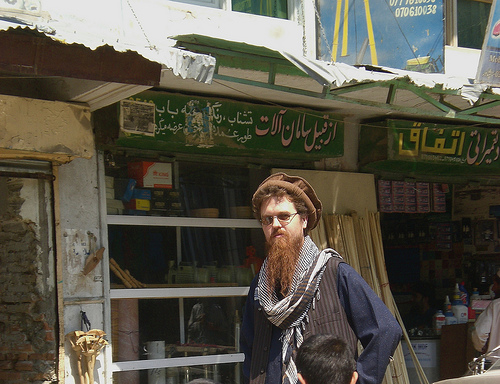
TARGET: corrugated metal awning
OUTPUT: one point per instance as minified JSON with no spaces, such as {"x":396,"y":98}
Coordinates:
{"x":202,"y":58}
{"x":390,"y":90}
{"x":97,"y":64}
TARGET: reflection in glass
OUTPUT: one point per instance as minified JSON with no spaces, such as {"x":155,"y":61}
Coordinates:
{"x":273,"y":8}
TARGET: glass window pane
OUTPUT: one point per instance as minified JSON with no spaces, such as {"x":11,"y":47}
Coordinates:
{"x":472,"y":22}
{"x":220,"y":373}
{"x":145,"y":252}
{"x":206,"y":3}
{"x":209,"y":256}
{"x":273,"y":8}
{"x":215,"y":191}
{"x":144,"y":329}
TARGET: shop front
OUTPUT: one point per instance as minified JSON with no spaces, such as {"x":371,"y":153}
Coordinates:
{"x":438,"y":193}
{"x":166,"y":199}
{"x":182,"y":242}
{"x":183,"y":245}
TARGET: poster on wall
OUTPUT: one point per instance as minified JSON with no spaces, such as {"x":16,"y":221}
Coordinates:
{"x":163,"y":121}
{"x":402,"y":34}
{"x":489,"y":62}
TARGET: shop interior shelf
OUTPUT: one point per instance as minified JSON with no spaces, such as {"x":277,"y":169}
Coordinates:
{"x":176,"y":221}
{"x":174,"y":293}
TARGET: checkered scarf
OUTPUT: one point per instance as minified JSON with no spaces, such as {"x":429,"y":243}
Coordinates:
{"x":290,"y":313}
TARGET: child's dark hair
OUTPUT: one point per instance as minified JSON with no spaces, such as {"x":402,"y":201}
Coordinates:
{"x":325,"y":359}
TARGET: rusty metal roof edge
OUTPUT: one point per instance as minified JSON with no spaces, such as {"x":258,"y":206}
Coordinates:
{"x":183,"y":63}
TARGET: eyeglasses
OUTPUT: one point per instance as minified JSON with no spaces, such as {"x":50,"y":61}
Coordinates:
{"x":283,"y":218}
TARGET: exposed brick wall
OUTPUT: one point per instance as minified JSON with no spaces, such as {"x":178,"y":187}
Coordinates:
{"x":28,"y":348}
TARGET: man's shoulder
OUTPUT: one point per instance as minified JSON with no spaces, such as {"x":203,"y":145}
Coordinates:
{"x":496,"y":303}
{"x":332,"y":252}
{"x":335,"y":258}
{"x":332,"y":265}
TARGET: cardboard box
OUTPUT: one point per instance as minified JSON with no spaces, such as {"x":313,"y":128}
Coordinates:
{"x":110,"y":181}
{"x":129,"y":191}
{"x":114,"y":207}
{"x":139,"y":205}
{"x":159,"y":205}
{"x":150,"y":174}
{"x":141,"y":194}
{"x":110,"y":193}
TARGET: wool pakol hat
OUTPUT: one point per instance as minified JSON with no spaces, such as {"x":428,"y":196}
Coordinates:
{"x":297,"y":186}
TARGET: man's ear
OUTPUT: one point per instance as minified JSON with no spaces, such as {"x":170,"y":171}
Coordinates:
{"x":301,"y":378}
{"x":354,"y":377}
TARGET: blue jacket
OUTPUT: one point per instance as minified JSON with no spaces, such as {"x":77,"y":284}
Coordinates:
{"x":370,"y":319}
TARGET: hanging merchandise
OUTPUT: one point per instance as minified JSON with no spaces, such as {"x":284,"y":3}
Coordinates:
{"x":87,"y":346}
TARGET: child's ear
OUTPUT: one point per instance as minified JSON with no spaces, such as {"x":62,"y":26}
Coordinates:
{"x":301,"y":378}
{"x":354,"y":377}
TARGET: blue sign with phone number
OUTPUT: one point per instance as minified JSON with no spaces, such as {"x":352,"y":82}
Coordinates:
{"x":402,"y":34}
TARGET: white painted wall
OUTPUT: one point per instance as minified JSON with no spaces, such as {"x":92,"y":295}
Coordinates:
{"x":461,"y":62}
{"x":137,"y":24}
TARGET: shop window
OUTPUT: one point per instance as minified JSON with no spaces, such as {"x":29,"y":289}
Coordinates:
{"x":472,"y":21}
{"x":271,"y":8}
{"x":205,"y":3}
{"x":183,"y":248}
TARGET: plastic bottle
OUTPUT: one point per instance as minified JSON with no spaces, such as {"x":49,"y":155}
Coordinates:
{"x":464,"y":295}
{"x":456,"y":293}
{"x":447,"y":305}
{"x":458,"y":308}
{"x":449,"y":318}
{"x":439,"y":320}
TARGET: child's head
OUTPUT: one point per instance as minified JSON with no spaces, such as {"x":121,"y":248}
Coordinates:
{"x":326,"y":359}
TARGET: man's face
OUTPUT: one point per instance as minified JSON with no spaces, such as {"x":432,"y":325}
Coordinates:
{"x":275,"y":206}
{"x":283,"y":242}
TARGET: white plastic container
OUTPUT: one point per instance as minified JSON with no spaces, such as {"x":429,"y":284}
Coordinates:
{"x":460,"y":311}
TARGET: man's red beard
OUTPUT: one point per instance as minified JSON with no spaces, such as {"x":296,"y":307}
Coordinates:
{"x":282,"y":255}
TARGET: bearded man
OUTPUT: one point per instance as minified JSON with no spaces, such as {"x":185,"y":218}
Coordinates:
{"x":301,"y":291}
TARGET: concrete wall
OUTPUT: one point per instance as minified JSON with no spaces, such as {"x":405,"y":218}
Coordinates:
{"x":81,"y":235}
{"x":45,"y":127}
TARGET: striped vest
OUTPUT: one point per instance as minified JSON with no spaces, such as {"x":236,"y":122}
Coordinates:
{"x":328,"y":317}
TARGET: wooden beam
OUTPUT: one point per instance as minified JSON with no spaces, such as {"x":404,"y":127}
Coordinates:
{"x":57,"y":158}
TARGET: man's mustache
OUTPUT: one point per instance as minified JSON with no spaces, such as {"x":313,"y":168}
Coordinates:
{"x":279,"y":231}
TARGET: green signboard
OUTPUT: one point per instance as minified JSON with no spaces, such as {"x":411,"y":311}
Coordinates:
{"x":471,"y":147}
{"x":162,"y":121}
